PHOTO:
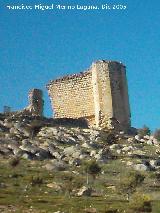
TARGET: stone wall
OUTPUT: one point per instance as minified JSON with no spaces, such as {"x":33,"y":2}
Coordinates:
{"x":100,"y":95}
{"x":72,"y":97}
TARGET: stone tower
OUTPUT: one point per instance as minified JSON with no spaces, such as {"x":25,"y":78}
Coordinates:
{"x":110,"y":93}
{"x":35,"y":107}
{"x":35,"y":102}
{"x":99,"y":95}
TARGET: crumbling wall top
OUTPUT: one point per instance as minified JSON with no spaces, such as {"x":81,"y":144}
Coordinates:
{"x":108,"y":62}
{"x":67,"y":77}
{"x":81,"y":74}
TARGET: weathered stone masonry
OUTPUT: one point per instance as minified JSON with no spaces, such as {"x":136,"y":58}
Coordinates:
{"x":35,"y":107}
{"x":98,"y":95}
{"x":36,"y":102}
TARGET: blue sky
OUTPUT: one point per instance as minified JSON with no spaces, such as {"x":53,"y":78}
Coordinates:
{"x":38,"y":46}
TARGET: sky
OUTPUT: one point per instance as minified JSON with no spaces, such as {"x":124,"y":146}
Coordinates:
{"x":37,"y":46}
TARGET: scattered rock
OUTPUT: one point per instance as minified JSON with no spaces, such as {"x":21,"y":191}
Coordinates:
{"x":90,"y":210}
{"x":38,"y":138}
{"x":127,"y":148}
{"x":69,"y":150}
{"x":113,"y":188}
{"x":42,"y":154}
{"x":56,"y":166}
{"x":75,"y":162}
{"x":129,"y":163}
{"x":119,"y":151}
{"x":27,"y":156}
{"x":131,"y":140}
{"x":137,"y":137}
{"x":84,"y":191}
{"x":155,"y":163}
{"x":55,"y":186}
{"x":146,"y":137}
{"x":149,"y":142}
{"x":141,"y":167}
{"x":115,"y":146}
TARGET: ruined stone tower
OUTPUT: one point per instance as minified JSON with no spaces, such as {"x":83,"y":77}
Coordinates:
{"x":35,"y":107}
{"x":99,"y":95}
{"x":35,"y":102}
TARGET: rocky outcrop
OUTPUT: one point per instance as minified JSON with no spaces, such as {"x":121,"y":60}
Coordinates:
{"x":67,"y":144}
{"x":34,"y":137}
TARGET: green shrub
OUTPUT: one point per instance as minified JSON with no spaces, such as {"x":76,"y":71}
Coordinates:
{"x":140,"y":203}
{"x":92,"y":168}
{"x":13,"y":162}
{"x":36,"y":180}
{"x":157,"y":176}
{"x":129,"y":182}
{"x":71,"y":182}
{"x":68,"y":183}
{"x":78,"y":182}
{"x":157,"y":134}
{"x":144,"y":131}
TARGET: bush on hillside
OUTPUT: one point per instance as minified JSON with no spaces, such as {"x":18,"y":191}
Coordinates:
{"x":93,"y":168}
{"x":157,"y":134}
{"x":14,"y":162}
{"x":140,"y":203}
{"x":144,"y":131}
{"x":129,"y":183}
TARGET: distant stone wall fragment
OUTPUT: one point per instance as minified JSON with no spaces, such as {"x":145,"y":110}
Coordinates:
{"x":35,"y":102}
{"x":35,"y":107}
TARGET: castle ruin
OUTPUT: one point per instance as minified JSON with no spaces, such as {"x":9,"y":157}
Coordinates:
{"x":35,"y":107}
{"x":99,"y":95}
{"x":35,"y":102}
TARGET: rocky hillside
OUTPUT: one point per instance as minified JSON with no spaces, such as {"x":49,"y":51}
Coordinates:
{"x":53,"y":157}
{"x":36,"y":138}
